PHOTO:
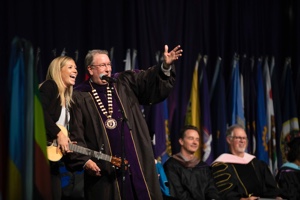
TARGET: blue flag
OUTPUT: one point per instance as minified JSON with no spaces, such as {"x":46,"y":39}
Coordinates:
{"x":236,"y":110}
{"x":17,"y":115}
{"x":261,"y":122}
{"x":218,"y":111}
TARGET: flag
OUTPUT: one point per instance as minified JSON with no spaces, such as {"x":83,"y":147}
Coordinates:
{"x":168,"y":151}
{"x":112,"y":60}
{"x":3,"y":155}
{"x":271,"y":131}
{"x":16,"y":147}
{"x":29,"y":69}
{"x":297,"y":86}
{"x":63,"y":52}
{"x":277,"y":107}
{"x":2,"y":152}
{"x":127,"y":61}
{"x":261,"y":121}
{"x":193,"y":110}
{"x":42,"y":169}
{"x":205,"y":113}
{"x":21,"y":169}
{"x":218,"y":111}
{"x":158,"y":125}
{"x":290,"y":126}
{"x":236,"y":110}
{"x":135,"y":64}
{"x":249,"y":101}
{"x":42,"y":179}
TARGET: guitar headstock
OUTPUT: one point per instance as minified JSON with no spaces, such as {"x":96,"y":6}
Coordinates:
{"x":118,"y":162}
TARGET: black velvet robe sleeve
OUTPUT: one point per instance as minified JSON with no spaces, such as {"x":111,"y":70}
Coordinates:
{"x":270,"y":187}
{"x":85,"y":130}
{"x":149,"y":86}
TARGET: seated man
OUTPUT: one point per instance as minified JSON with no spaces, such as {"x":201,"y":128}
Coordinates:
{"x":189,"y":178}
{"x":239,"y":175}
{"x":288,"y":177}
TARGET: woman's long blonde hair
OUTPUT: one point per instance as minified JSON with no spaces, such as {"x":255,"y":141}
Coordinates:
{"x":54,"y":73}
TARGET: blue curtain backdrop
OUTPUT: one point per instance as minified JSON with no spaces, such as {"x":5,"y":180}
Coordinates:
{"x":216,"y":28}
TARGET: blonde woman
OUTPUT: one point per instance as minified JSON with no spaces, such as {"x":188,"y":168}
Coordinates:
{"x":56,"y":97}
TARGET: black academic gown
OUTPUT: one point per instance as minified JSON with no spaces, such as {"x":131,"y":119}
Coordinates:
{"x":288,"y":179}
{"x":190,"y":182}
{"x":235,"y":181}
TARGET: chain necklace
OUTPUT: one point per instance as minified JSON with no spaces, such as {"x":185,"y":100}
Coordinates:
{"x":110,"y":122}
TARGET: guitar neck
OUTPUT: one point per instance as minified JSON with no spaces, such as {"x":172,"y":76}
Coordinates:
{"x":89,"y":152}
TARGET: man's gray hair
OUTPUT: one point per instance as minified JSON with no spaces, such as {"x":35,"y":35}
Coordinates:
{"x":229,"y":131}
{"x":90,"y":56}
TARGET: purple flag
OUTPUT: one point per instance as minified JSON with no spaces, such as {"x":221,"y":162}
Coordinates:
{"x":205,"y":113}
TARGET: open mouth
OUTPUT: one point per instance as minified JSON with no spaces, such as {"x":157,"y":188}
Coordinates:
{"x":73,"y":76}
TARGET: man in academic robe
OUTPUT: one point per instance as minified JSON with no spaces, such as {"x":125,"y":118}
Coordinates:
{"x":189,"y":178}
{"x":108,"y":118}
{"x":288,"y":176}
{"x":239,"y":175}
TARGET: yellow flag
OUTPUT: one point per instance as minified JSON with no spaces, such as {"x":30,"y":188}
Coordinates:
{"x":193,"y":110}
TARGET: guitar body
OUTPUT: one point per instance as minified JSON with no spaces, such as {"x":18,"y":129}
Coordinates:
{"x":54,"y":154}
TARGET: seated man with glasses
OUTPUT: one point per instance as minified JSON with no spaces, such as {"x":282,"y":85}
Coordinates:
{"x":239,"y":175}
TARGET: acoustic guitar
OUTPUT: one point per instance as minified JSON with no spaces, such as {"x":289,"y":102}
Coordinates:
{"x":55,"y":154}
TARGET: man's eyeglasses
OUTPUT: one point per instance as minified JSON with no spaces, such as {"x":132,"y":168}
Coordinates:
{"x":102,"y":65}
{"x":239,"y":138}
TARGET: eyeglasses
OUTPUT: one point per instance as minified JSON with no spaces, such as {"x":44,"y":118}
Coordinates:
{"x":102,"y":65}
{"x":239,"y":138}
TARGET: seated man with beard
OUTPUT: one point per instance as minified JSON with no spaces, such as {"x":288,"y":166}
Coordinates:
{"x":239,"y":175}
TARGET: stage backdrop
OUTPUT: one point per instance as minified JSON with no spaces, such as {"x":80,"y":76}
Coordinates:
{"x":221,"y":30}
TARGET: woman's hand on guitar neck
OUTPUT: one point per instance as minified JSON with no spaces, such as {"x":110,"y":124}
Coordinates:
{"x":63,"y":142}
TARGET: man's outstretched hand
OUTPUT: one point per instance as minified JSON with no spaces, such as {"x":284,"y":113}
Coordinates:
{"x":170,"y":57}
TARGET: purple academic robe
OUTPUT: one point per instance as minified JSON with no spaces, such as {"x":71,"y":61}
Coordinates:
{"x":87,"y":128}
